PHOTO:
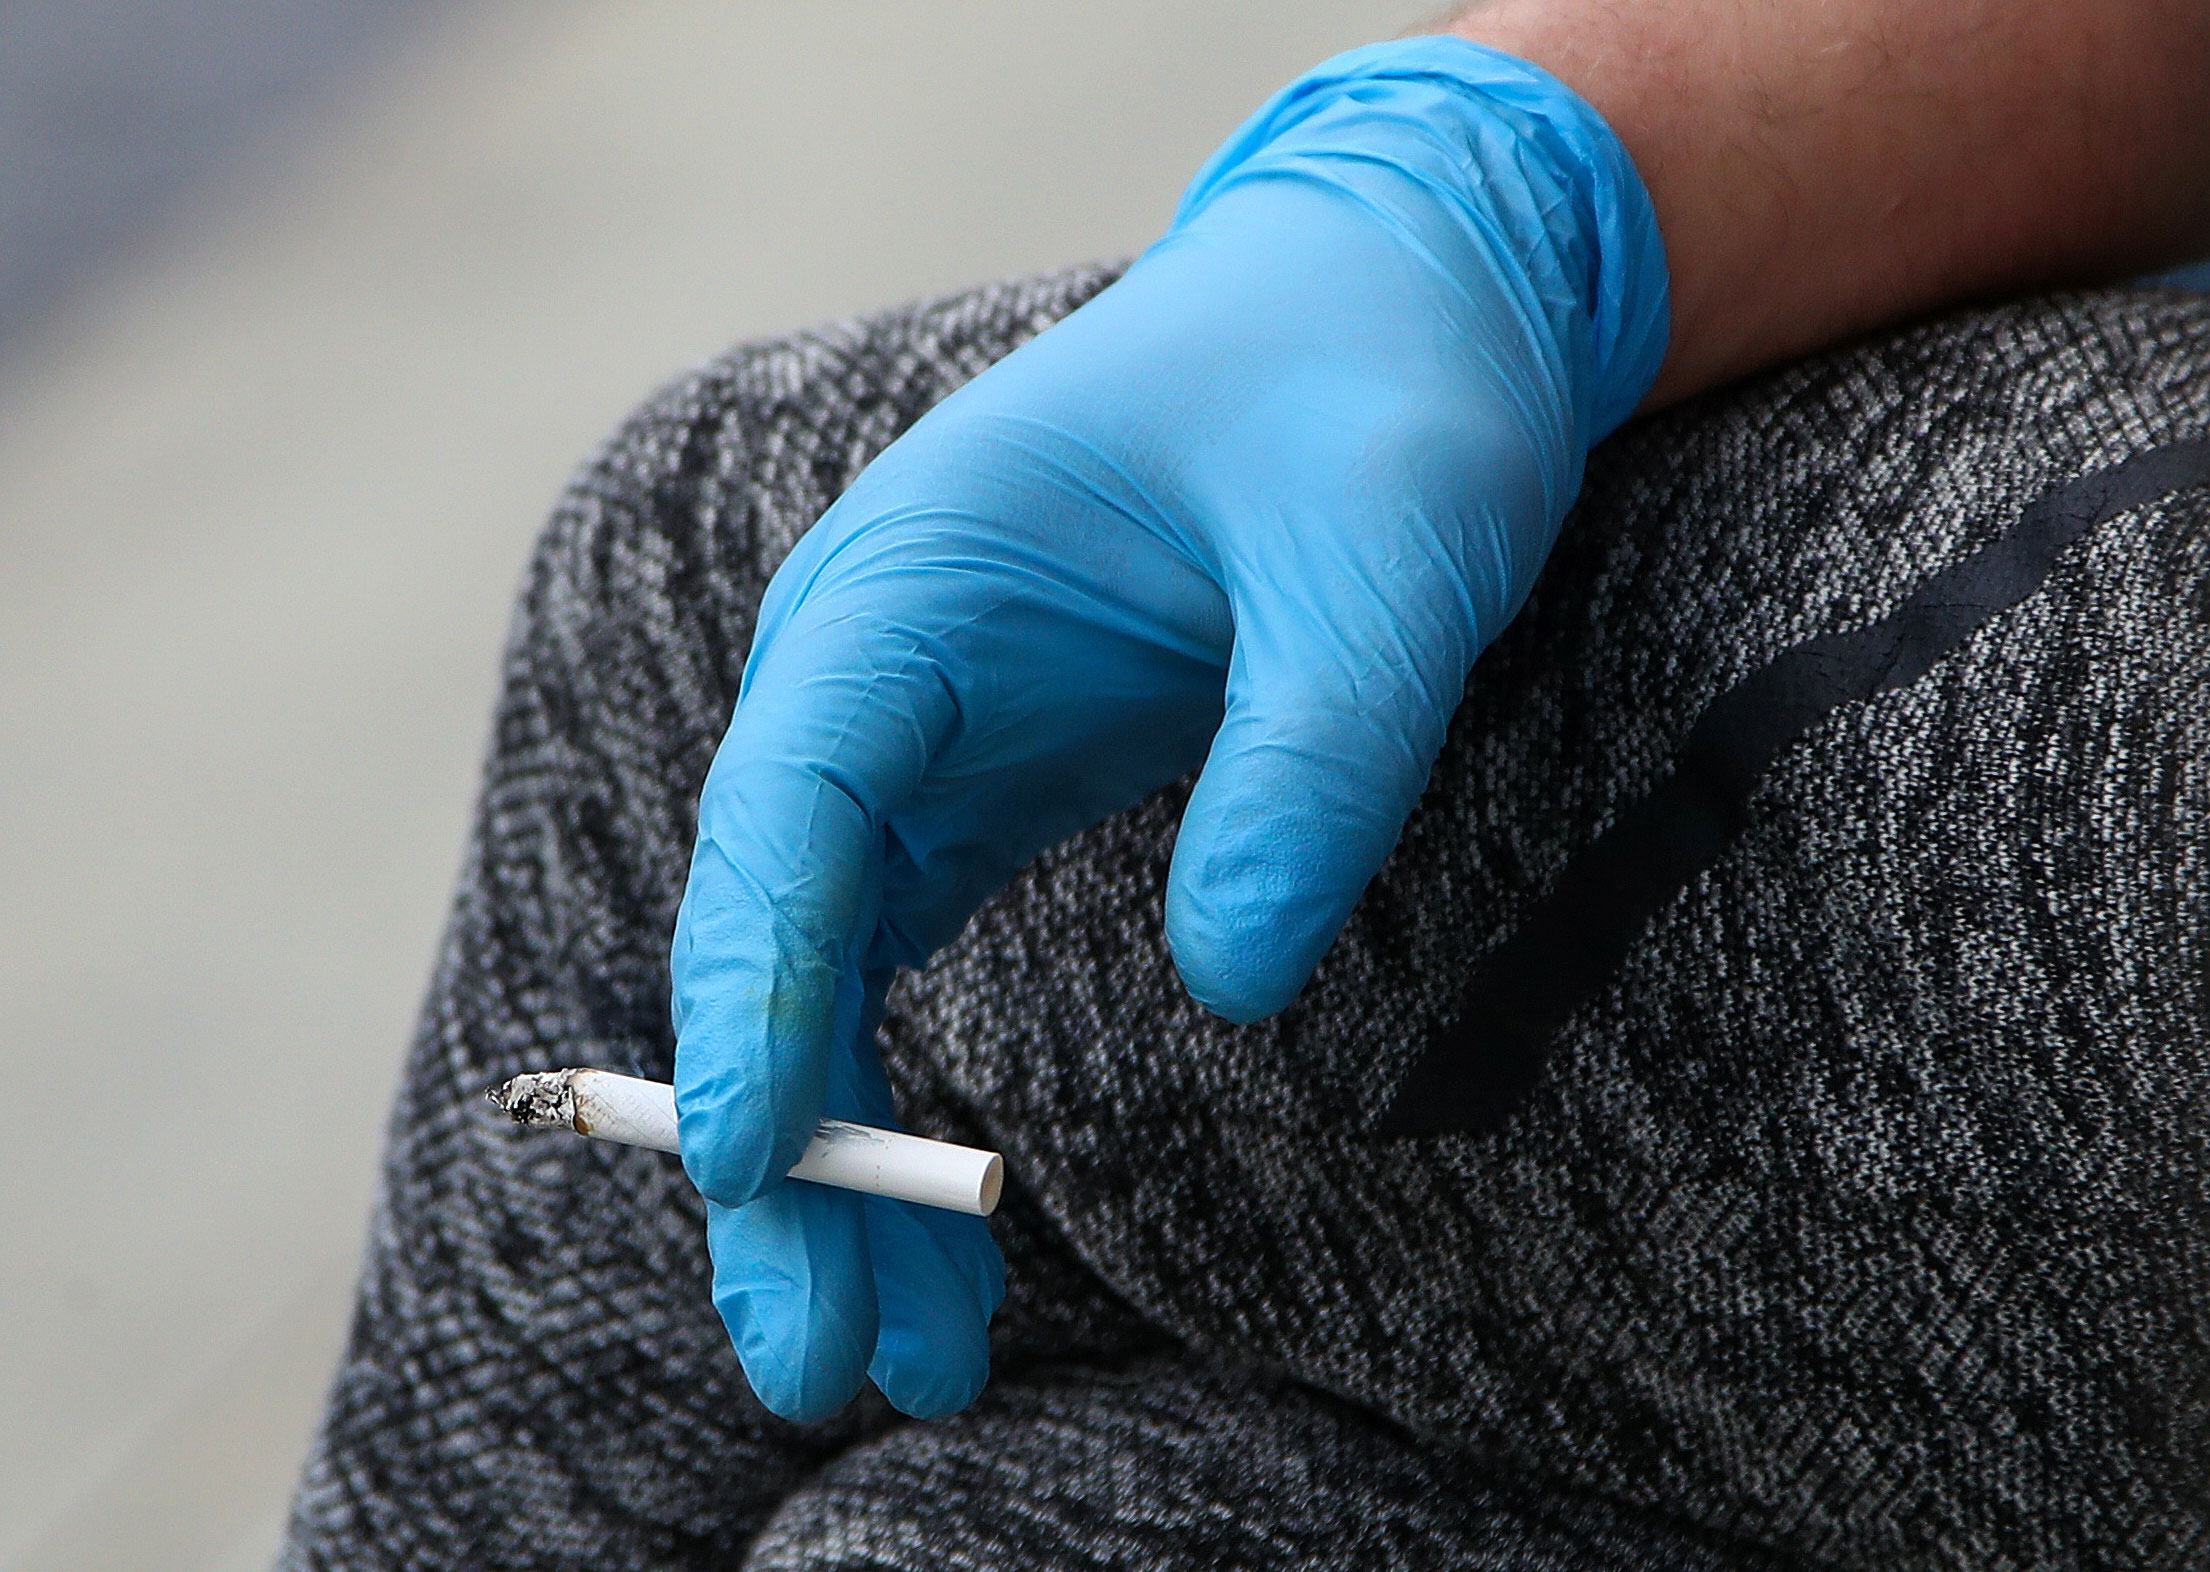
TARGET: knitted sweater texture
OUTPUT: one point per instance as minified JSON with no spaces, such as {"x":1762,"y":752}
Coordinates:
{"x":1858,"y":1213}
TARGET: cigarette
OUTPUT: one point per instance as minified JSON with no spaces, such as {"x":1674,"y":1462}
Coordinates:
{"x":610,"y":1107}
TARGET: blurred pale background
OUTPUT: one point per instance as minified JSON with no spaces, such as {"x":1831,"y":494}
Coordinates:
{"x":306,"y":308}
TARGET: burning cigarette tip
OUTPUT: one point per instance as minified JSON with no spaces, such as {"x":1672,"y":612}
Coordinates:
{"x":545,"y":1098}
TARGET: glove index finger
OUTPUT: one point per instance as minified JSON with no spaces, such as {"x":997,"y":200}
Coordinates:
{"x":756,"y":989}
{"x":784,"y":893}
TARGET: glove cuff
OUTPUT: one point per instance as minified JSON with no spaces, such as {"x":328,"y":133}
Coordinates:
{"x":1523,"y":161}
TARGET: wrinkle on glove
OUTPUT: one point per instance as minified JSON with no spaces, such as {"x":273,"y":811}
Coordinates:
{"x":1258,"y":506}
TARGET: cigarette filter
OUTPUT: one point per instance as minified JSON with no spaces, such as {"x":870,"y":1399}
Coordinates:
{"x":622,"y":1108}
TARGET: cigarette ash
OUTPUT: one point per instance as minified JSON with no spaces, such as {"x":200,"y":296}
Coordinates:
{"x":546,"y":1097}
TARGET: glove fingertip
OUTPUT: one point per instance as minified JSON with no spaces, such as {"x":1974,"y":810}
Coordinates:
{"x":940,"y":1278}
{"x":805,"y":1390}
{"x":1298,"y":806}
{"x":933,"y":1369}
{"x":801,"y":1365}
{"x":1234,"y":996}
{"x":733,"y":1150}
{"x":795,"y":1288}
{"x":1244,"y":951}
{"x":931,"y":1390}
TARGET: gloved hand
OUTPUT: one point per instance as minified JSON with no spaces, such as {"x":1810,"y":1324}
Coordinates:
{"x":1268,"y":495}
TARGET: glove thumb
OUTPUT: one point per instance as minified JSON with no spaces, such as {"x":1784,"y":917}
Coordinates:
{"x":1324,"y":751}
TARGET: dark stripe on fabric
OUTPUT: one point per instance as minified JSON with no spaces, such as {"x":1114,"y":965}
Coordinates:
{"x":1478,"y":1069}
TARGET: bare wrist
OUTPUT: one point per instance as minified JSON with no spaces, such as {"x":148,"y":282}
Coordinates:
{"x":1820,"y":171}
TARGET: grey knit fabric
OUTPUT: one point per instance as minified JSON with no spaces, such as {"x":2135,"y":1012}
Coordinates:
{"x":1862,"y":1221}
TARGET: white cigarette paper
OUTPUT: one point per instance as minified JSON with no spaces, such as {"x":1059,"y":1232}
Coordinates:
{"x":622,"y":1108}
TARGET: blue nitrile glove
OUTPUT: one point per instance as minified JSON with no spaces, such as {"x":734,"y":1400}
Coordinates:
{"x":1268,"y":495}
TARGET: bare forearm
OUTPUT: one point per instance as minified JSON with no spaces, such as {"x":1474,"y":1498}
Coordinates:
{"x":1820,"y":169}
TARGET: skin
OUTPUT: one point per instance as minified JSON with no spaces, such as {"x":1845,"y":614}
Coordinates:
{"x":1822,"y":168}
